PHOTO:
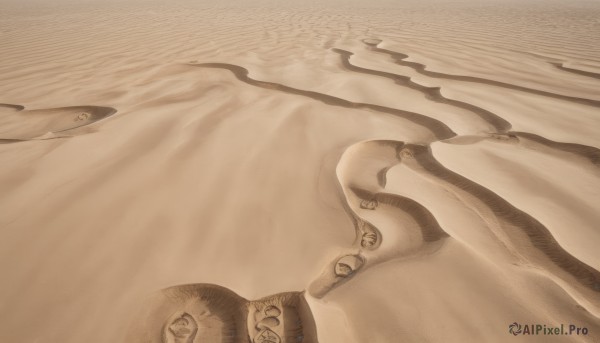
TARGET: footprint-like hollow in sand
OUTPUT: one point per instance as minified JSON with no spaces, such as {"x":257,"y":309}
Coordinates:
{"x":348,"y":265}
{"x":370,"y":204}
{"x":504,"y":137}
{"x":335,"y":274}
{"x":267,"y":323}
{"x":283,"y":317}
{"x":272,"y":311}
{"x":369,"y":235}
{"x":267,"y":336}
{"x":368,"y":239}
{"x":82,"y":116}
{"x":182,"y":329}
{"x":372,"y":41}
{"x":405,"y":153}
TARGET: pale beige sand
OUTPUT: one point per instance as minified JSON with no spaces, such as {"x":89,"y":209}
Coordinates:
{"x":422,"y":171}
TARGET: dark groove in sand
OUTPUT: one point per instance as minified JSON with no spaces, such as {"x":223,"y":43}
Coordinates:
{"x":431,"y":93}
{"x":14,"y":107}
{"x":576,"y":71}
{"x":439,"y":129}
{"x":421,"y":69}
{"x":585,"y":151}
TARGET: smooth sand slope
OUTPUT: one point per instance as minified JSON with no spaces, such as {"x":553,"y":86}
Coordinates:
{"x":264,"y":171}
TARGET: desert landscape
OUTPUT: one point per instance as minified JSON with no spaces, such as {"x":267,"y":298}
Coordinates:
{"x":277,"y":171}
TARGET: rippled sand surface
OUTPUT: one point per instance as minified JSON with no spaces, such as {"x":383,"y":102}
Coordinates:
{"x":299,"y":172}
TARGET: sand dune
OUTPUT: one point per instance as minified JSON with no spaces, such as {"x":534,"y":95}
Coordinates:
{"x":370,"y":172}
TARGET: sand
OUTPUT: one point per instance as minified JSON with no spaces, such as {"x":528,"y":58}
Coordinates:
{"x":270,"y":171}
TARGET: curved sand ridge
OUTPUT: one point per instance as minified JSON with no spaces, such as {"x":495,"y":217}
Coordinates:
{"x":530,"y":239}
{"x":18,"y":124}
{"x":524,"y":236}
{"x":387,"y":225}
{"x":521,"y":232}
